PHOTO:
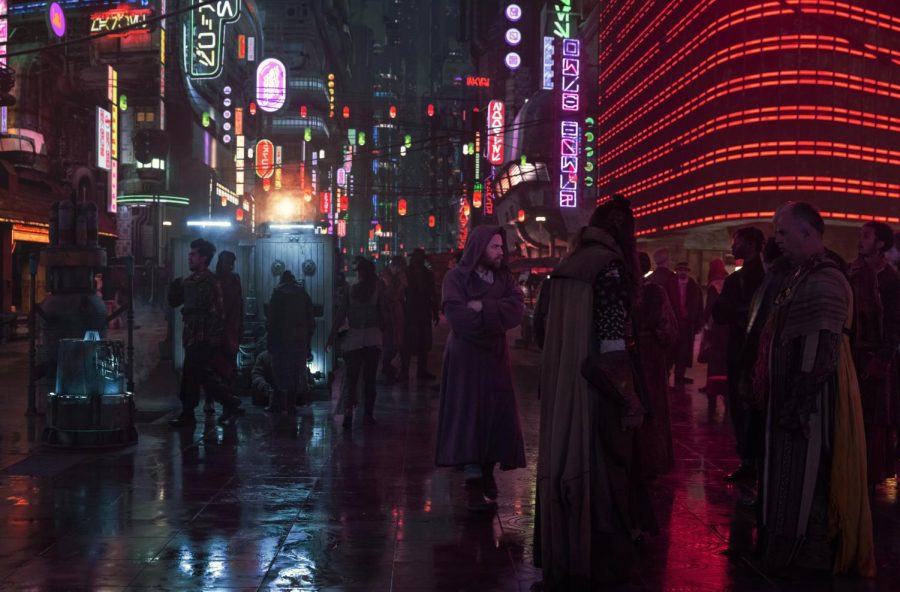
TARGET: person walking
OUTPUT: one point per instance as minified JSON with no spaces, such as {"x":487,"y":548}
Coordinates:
{"x":364,"y":310}
{"x":875,"y":334}
{"x":732,"y":309}
{"x":393,"y":290}
{"x":689,"y":311}
{"x":422,"y":312}
{"x":200,"y":296}
{"x":233,"y":301}
{"x":815,"y":505}
{"x":290,"y":324}
{"x":478,"y":421}
{"x":656,"y":332}
{"x":592,"y":503}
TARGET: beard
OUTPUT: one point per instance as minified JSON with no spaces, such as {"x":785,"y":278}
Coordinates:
{"x":492,"y":264}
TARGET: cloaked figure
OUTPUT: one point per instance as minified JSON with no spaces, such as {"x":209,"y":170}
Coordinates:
{"x":422,"y":310}
{"x":689,"y":311}
{"x":290,"y":323}
{"x":478,"y":423}
{"x":592,"y":502}
{"x":233,"y":302}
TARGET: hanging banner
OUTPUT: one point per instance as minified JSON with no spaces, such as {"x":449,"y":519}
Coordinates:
{"x":265,"y":159}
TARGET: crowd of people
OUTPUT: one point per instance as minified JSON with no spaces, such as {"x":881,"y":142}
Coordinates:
{"x":803,"y":346}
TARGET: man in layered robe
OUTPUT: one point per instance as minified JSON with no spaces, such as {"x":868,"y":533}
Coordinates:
{"x":875,"y":336}
{"x":478,"y":422}
{"x":592,"y":504}
{"x":815,"y":506}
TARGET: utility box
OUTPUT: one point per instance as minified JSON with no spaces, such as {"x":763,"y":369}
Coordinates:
{"x":310,"y":257}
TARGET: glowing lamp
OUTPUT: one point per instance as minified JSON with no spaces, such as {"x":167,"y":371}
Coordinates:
{"x":267,"y":184}
{"x":343,"y":203}
{"x":307,"y":197}
{"x":307,"y":134}
{"x":271,"y":85}
{"x":56,"y":19}
{"x":378,"y":229}
{"x":392,"y":112}
{"x":430,"y":110}
{"x":361,"y":138}
{"x":401,"y":207}
{"x":224,"y":201}
{"x":204,"y":119}
{"x":252,"y":109}
{"x":407,"y":140}
{"x":239,"y":215}
{"x":303,"y":111}
{"x":521,"y":216}
{"x":476,"y":198}
{"x":431,"y":221}
{"x":346,"y":112}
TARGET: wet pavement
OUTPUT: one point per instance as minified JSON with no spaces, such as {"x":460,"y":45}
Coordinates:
{"x":296,"y":504}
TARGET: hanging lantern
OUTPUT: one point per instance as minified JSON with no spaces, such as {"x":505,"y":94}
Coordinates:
{"x":307,"y":134}
{"x":343,"y":203}
{"x":239,"y":215}
{"x":307,"y":197}
{"x":361,"y":138}
{"x":407,"y":141}
{"x":252,"y":109}
{"x":476,"y":198}
{"x":431,"y":221}
{"x":392,"y":112}
{"x":378,"y":229}
{"x":267,"y":184}
{"x":430,"y":110}
{"x":303,"y":111}
{"x":401,"y":207}
{"x":224,"y":201}
{"x":521,"y":216}
{"x":346,"y":112}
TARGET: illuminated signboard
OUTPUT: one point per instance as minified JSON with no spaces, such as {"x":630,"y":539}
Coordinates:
{"x":271,"y":82}
{"x":562,"y":18}
{"x":112,"y":200}
{"x":496,"y":113}
{"x":56,"y":19}
{"x":116,"y":19}
{"x":205,"y":31}
{"x":570,"y":131}
{"x":4,"y":36}
{"x":104,"y":139}
{"x":571,"y":74}
{"x":549,"y":50}
{"x":480,"y":81}
{"x":265,"y":159}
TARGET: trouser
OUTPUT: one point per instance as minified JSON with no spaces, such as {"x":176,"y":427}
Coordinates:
{"x":476,"y":471}
{"x":391,"y":349}
{"x":740,"y":418}
{"x":290,"y":375}
{"x":199,"y":371}
{"x":363,"y":361}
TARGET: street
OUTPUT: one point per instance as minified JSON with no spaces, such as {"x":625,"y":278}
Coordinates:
{"x":296,"y":504}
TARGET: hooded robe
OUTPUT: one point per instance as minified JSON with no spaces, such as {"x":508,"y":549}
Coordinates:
{"x":479,"y":418}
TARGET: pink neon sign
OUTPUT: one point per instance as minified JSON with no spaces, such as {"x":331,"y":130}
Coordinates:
{"x":271,"y":84}
{"x":496,"y":112}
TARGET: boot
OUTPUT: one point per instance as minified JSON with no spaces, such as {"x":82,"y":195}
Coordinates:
{"x":475,"y":500}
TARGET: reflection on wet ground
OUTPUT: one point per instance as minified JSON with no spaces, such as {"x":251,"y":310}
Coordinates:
{"x":295,"y":504}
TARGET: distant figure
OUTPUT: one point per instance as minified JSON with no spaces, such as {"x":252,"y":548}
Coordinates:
{"x":204,"y":328}
{"x":664,"y":276}
{"x":875,"y":337}
{"x":233,"y":299}
{"x":815,"y":504}
{"x":393,"y":291}
{"x":592,"y":503}
{"x":262,"y":377}
{"x":715,"y":335}
{"x":478,"y":422}
{"x":363,"y":308}
{"x":689,"y":311}
{"x":732,"y":309}
{"x":656,"y":330}
{"x":290,"y":324}
{"x":422,"y":311}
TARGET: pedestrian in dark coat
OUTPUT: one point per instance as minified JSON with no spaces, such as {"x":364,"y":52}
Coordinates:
{"x":689,"y":310}
{"x":233,"y":301}
{"x":393,"y":292}
{"x":732,"y":309}
{"x":422,"y":309}
{"x":290,"y":323}
{"x":478,"y":423}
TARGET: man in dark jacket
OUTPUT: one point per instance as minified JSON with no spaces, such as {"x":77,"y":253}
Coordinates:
{"x":203,"y":314}
{"x":689,"y":311}
{"x":290,"y":323}
{"x":233,"y":300}
{"x":732,"y":308}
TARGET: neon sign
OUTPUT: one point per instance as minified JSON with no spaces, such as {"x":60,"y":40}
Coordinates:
{"x":512,"y":60}
{"x":496,"y":120}
{"x":479,"y":81}
{"x":549,"y":50}
{"x":120,"y":18}
{"x":4,"y":36}
{"x":57,"y":20}
{"x":265,"y":159}
{"x":205,"y":30}
{"x":104,"y":139}
{"x":571,"y":74}
{"x":562,"y":19}
{"x":271,"y":82}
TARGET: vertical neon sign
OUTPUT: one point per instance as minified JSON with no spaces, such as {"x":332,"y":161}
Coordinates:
{"x":496,"y":113}
{"x":4,"y":37}
{"x":570,"y":132}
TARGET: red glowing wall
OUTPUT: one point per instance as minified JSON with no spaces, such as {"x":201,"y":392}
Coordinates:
{"x":714,"y":110}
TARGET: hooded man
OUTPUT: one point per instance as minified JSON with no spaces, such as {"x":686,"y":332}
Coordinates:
{"x":592,"y":503}
{"x":478,"y":424}
{"x":290,"y":322}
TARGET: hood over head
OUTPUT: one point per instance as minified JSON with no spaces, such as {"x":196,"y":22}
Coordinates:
{"x":477,"y":244}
